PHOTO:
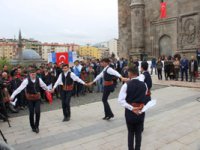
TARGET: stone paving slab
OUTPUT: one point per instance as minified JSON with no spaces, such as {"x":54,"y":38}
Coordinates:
{"x":77,"y":101}
{"x":174,"y":124}
{"x":175,"y":83}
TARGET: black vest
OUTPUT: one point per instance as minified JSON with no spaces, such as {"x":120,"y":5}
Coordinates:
{"x":67,"y":80}
{"x":33,"y":88}
{"x":136,"y":92}
{"x":148,"y":79}
{"x":107,"y":77}
{"x":47,"y":79}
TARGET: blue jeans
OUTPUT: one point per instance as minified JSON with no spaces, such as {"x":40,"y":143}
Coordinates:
{"x":184,"y":71}
{"x":100,"y":85}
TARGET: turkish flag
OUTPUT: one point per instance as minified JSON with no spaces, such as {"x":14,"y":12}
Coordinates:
{"x":62,"y":58}
{"x":163,"y":10}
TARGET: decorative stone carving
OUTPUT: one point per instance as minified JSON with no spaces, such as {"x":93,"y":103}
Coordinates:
{"x":198,"y":33}
{"x":189,"y":31}
{"x":137,"y":12}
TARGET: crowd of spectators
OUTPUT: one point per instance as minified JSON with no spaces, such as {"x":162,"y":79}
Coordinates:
{"x":175,"y":68}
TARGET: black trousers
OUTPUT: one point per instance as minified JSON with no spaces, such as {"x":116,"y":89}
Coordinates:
{"x":66,"y":98}
{"x":3,"y":111}
{"x":160,"y":74}
{"x":192,"y":77}
{"x":34,"y":113}
{"x":135,"y":126}
{"x":198,"y":60}
{"x":107,"y":109}
{"x":20,"y":101}
{"x":166,"y":74}
{"x":176,"y":73}
{"x":77,"y":88}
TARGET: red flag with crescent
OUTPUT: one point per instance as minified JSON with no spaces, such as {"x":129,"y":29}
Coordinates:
{"x":163,"y":10}
{"x":61,"y":58}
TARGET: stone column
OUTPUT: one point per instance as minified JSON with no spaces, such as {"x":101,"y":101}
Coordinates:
{"x":137,"y":27}
{"x":125,"y":42}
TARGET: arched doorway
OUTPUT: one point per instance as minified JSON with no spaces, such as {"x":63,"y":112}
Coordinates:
{"x":165,"y":46}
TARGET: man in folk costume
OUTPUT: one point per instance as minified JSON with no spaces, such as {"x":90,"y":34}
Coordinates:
{"x":32,"y":86}
{"x":132,"y":96}
{"x":66,"y":79}
{"x":146,"y":77}
{"x":107,"y":74}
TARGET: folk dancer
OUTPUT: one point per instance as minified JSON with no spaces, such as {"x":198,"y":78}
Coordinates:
{"x":32,"y":86}
{"x":107,"y":74}
{"x":132,"y":96}
{"x":146,"y":77}
{"x":66,"y":79}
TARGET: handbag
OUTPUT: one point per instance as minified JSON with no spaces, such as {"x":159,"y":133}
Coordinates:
{"x":196,"y":74}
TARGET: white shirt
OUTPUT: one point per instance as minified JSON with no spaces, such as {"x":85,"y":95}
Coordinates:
{"x":72,"y":75}
{"x":110,"y":71}
{"x":123,"y":94}
{"x":141,"y":77}
{"x":25,"y":83}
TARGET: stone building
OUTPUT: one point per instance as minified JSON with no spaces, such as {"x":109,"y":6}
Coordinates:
{"x":8,"y":50}
{"x":142,"y":31}
{"x":90,"y":52}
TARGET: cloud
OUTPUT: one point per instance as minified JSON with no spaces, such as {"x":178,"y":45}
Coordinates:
{"x":60,"y":20}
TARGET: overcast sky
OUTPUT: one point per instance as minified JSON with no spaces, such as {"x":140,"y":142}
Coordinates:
{"x":64,"y":21}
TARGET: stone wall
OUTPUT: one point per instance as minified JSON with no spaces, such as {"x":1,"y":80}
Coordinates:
{"x":125,"y":43}
{"x":178,"y":33}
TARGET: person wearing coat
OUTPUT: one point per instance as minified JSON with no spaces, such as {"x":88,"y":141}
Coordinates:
{"x":193,"y":69}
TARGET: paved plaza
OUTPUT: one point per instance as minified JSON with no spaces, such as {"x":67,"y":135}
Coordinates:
{"x":173,"y":124}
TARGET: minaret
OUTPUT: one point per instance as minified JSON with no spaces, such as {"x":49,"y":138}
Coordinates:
{"x":20,"y":45}
{"x":137,"y":27}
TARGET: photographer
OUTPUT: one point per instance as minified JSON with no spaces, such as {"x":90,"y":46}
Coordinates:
{"x":14,"y":84}
{"x":6,"y":90}
{"x":3,"y":111}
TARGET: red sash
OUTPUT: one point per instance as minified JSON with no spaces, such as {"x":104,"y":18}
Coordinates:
{"x":108,"y":83}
